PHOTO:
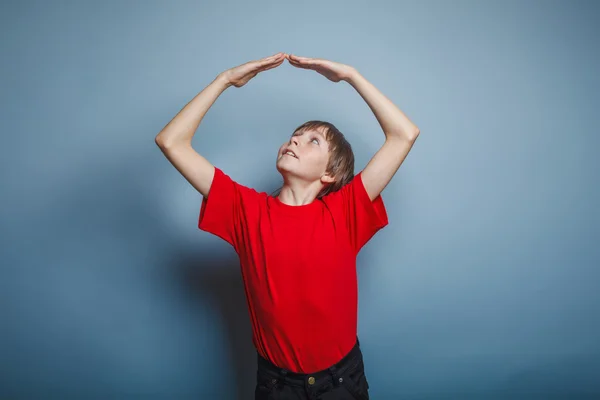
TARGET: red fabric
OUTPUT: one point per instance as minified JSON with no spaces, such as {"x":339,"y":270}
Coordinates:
{"x":298,"y":265}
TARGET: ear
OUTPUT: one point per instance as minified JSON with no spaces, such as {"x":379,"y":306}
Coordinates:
{"x":326,"y":178}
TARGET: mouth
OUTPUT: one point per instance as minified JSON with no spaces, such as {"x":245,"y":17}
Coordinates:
{"x":290,"y":154}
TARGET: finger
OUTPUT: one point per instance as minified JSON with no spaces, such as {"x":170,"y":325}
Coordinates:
{"x":260,"y":64}
{"x":274,"y":56}
{"x":306,"y":60}
{"x":271,"y":60}
{"x":265,"y":59}
{"x":272,"y":65}
{"x":300,"y":65}
{"x":299,"y":58}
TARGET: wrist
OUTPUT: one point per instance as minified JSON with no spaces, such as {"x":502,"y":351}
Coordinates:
{"x":352,"y":75}
{"x":223,"y":80}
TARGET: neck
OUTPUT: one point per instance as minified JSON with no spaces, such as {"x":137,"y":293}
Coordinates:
{"x":298,"y":193}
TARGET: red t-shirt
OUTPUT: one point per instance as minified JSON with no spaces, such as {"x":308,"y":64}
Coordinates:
{"x":298,"y":265}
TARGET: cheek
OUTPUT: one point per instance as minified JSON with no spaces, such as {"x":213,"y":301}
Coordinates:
{"x":319,"y":160}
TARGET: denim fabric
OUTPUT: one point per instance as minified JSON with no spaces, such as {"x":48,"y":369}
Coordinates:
{"x":345,"y":380}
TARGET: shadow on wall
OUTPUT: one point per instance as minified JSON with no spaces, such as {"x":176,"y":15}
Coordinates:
{"x":109,"y":278}
{"x":218,"y":280}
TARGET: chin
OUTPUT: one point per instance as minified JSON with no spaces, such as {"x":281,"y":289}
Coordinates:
{"x":280,"y":168}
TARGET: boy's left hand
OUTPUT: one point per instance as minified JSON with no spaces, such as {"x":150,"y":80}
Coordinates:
{"x":331,"y":70}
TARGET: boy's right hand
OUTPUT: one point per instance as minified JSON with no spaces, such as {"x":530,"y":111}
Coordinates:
{"x":240,"y":75}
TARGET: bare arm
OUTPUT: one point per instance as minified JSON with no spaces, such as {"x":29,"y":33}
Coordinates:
{"x":182,"y":127}
{"x":175,"y":139}
{"x":400,"y":132}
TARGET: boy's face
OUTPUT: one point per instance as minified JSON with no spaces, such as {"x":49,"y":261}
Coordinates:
{"x":312,"y":155}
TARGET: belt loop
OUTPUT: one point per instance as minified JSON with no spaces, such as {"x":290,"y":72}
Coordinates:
{"x":336,"y":381}
{"x":282,"y":376}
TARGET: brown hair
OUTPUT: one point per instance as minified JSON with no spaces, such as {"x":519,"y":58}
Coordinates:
{"x":341,"y":156}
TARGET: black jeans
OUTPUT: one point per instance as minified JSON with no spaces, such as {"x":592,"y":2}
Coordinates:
{"x":344,"y":380}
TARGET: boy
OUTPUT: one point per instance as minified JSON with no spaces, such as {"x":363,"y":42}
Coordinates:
{"x":298,"y":249}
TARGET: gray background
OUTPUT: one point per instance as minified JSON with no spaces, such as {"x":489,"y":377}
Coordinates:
{"x":484,"y":285}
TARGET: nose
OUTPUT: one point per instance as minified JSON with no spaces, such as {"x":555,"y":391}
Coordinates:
{"x":294,"y":140}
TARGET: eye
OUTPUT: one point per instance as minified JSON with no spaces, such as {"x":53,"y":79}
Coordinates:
{"x":316,"y":140}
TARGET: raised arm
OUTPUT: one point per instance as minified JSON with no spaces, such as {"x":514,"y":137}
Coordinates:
{"x":400,"y":135}
{"x":175,"y":139}
{"x":400,"y":132}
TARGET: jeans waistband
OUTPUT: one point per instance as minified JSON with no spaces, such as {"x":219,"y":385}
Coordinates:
{"x":300,"y":379}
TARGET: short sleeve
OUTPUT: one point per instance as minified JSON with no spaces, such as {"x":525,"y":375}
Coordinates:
{"x":363,"y":218}
{"x":220,"y":212}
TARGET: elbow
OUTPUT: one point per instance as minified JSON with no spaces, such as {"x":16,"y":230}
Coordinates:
{"x":158,"y":141}
{"x":411,"y":135}
{"x":415,"y":133}
{"x":162,"y":142}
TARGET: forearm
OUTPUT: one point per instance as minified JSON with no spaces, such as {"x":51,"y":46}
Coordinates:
{"x":390,"y":118}
{"x":182,"y":127}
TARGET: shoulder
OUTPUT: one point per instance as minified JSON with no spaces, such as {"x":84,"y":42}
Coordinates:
{"x":224,"y":178}
{"x":345,"y":190}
